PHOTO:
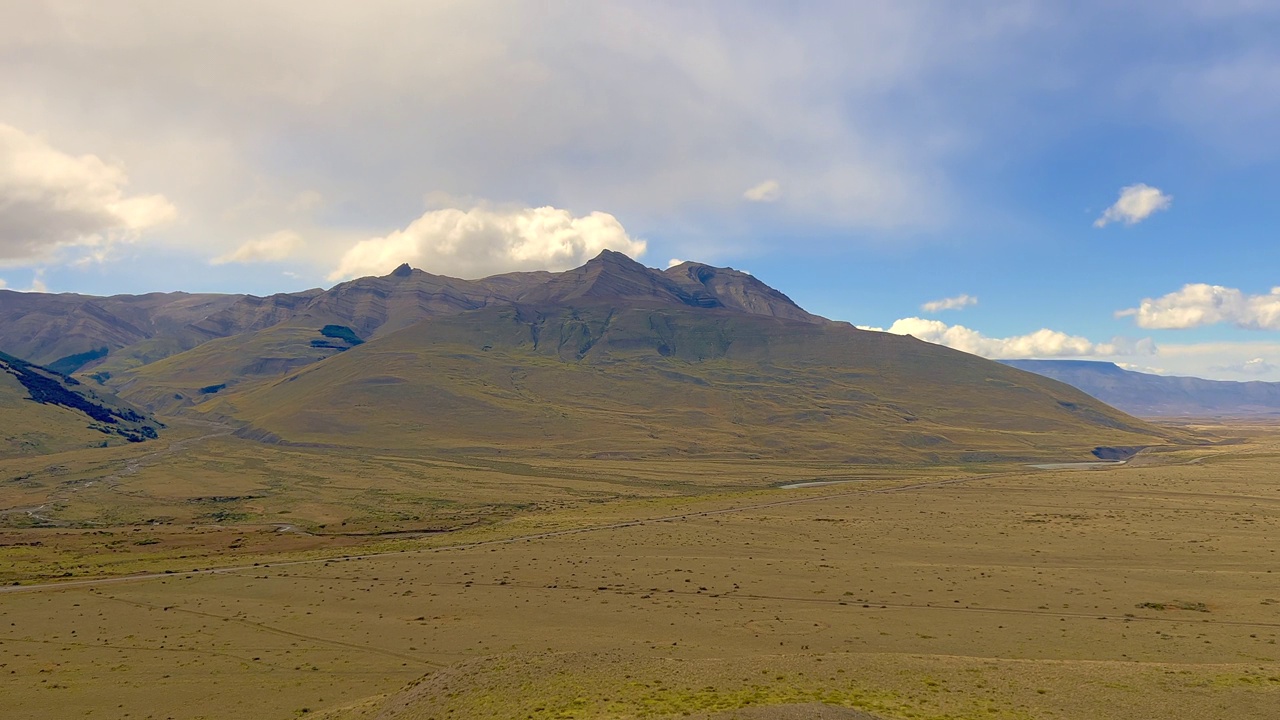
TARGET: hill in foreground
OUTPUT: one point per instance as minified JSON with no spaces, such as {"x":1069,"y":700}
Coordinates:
{"x":1148,"y":395}
{"x":45,"y":411}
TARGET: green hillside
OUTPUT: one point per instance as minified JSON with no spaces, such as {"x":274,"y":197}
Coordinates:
{"x":43,"y":411}
{"x":599,"y":380}
{"x":223,"y":365}
{"x":608,"y":359}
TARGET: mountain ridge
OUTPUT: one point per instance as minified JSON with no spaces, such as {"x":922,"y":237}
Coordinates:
{"x":1150,"y":395}
{"x":610,"y":357}
{"x":53,"y":328}
{"x":658,"y":381}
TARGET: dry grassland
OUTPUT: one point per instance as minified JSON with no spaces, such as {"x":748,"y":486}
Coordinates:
{"x":621,"y":589}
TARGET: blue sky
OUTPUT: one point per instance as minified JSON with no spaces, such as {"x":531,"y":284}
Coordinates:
{"x":865,"y":158}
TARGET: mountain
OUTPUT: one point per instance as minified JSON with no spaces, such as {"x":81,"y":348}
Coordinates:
{"x":255,"y":337}
{"x":46,"y":411}
{"x":375,"y":305}
{"x":1147,"y":395}
{"x":119,"y":333}
{"x":633,"y":375}
{"x":611,"y":358}
{"x":67,"y":331}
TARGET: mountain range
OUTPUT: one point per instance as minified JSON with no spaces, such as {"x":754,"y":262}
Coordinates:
{"x":1149,"y":395}
{"x":608,"y":359}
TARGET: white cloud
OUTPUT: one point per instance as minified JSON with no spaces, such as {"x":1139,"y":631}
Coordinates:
{"x":1211,"y":360}
{"x":37,"y":283}
{"x":1042,"y":343}
{"x":1136,"y":203}
{"x":674,"y":262}
{"x":766,"y":192}
{"x":1254,"y":366}
{"x":958,"y":302}
{"x":3,"y":284}
{"x":1222,"y":360}
{"x":52,"y":200}
{"x":268,"y":248}
{"x":1141,"y":368}
{"x":661,"y":112}
{"x":1199,"y":304}
{"x":483,"y":241}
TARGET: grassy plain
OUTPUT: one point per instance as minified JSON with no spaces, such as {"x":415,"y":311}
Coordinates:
{"x":239,"y":580}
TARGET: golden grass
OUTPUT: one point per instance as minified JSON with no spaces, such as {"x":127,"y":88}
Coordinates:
{"x":31,"y":429}
{"x":1012,"y":594}
{"x":736,"y":387}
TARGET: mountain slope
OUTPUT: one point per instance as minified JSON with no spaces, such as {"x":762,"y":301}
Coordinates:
{"x":608,"y":358}
{"x":44,"y":411}
{"x":270,"y":335}
{"x":648,"y":379}
{"x":1150,"y":395}
{"x":114,"y":335}
{"x":47,"y":328}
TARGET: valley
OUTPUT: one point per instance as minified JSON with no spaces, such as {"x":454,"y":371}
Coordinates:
{"x":528,"y":587}
{"x":610,"y":492}
{"x":405,"y":360}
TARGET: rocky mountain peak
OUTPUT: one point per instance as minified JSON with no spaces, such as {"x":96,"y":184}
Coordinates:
{"x":735,"y":290}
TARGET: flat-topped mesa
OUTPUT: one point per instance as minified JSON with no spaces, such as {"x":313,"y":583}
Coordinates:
{"x":1150,"y":395}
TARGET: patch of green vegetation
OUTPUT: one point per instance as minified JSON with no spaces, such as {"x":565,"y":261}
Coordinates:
{"x":1245,"y":680}
{"x":72,"y":363}
{"x":48,"y":387}
{"x":226,"y":516}
{"x":341,"y":332}
{"x":1175,"y":605}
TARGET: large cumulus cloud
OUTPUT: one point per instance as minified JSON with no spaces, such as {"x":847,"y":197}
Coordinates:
{"x":1043,"y":343}
{"x":483,"y":241}
{"x":50,"y":200}
{"x":1199,"y":304}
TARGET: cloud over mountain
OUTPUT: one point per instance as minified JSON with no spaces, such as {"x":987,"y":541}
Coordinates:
{"x":1252,"y":366}
{"x":50,"y":200}
{"x":1043,"y":343}
{"x":268,"y":248}
{"x":483,"y":241}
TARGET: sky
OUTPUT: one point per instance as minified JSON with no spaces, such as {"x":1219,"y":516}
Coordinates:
{"x":1092,"y":180}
